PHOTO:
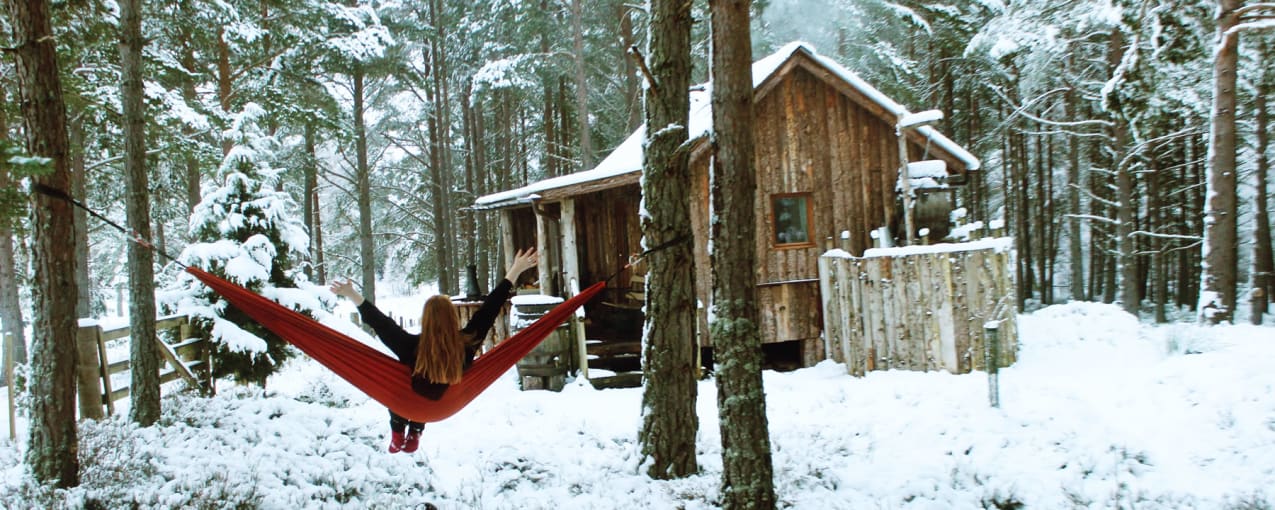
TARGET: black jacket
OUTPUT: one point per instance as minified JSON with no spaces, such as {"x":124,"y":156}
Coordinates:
{"x":404,"y":344}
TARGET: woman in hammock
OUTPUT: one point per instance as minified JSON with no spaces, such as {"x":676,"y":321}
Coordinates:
{"x":441,"y":352}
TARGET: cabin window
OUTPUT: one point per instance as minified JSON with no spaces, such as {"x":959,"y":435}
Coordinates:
{"x":791,"y":215}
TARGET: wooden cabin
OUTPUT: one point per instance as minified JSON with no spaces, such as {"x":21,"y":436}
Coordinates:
{"x":827,"y":171}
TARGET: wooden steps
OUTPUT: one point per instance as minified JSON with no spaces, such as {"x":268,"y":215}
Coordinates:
{"x":615,"y":363}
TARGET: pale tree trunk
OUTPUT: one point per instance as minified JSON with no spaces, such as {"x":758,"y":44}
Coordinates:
{"x":747,"y":471}
{"x":363,"y":185}
{"x":1217,"y":282}
{"x":1263,"y":265}
{"x":53,"y":440}
{"x":143,"y":354}
{"x":582,"y":93}
{"x":669,"y":422}
{"x":75,"y":148}
{"x":10,"y":304}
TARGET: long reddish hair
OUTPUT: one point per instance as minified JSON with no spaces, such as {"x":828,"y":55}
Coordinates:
{"x":440,"y":350}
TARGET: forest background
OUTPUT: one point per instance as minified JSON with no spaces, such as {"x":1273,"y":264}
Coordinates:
{"x":379,"y":123}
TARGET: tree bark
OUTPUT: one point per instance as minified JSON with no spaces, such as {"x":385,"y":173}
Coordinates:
{"x":747,"y":472}
{"x":1263,"y":265}
{"x":189,"y":64}
{"x":143,"y":354}
{"x":53,"y":442}
{"x":1126,"y":262}
{"x":669,"y":422}
{"x":582,"y":92}
{"x":310,"y":204}
{"x":363,"y":180}
{"x":629,"y":82}
{"x":1074,"y":190}
{"x":75,"y":155}
{"x":1217,"y":282}
{"x":10,"y":303}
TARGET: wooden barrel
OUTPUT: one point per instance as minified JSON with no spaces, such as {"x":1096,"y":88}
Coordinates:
{"x":545,"y":368}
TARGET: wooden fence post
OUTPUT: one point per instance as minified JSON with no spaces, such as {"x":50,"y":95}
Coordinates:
{"x":8,"y":376}
{"x":991,"y":353}
{"x":89,"y":372}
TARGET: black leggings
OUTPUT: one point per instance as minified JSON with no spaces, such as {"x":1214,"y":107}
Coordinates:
{"x":399,"y":424}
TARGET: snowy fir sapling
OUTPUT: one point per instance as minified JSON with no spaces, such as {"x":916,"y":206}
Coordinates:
{"x":246,"y":232}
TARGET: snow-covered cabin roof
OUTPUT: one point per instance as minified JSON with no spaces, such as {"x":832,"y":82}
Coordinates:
{"x":624,"y":164}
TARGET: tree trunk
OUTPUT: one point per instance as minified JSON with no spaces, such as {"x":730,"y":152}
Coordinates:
{"x":747,"y":472}
{"x":367,"y":251}
{"x":53,"y":440}
{"x":548,"y":122}
{"x":1126,"y":263}
{"x":1074,"y":190}
{"x":1263,"y":265}
{"x":143,"y":354}
{"x":75,"y":148}
{"x":10,"y":304}
{"x":468,"y":223}
{"x":669,"y":422}
{"x":223,"y":82}
{"x":440,"y":156}
{"x":582,"y":92}
{"x":629,"y":82}
{"x":1159,"y":280}
{"x":310,"y":200}
{"x":190,"y":65}
{"x":1217,"y":282}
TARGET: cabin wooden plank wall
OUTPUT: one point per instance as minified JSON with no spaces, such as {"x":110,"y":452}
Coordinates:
{"x":810,"y":137}
{"x":919,"y":311}
{"x":608,"y":232}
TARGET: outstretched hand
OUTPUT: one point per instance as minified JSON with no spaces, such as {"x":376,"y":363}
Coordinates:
{"x":524,"y":260}
{"x":346,"y":289}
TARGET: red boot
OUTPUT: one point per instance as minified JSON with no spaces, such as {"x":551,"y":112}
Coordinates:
{"x":412,"y":442}
{"x":396,"y":442}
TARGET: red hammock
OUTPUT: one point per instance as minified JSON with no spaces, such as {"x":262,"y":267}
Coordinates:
{"x":380,"y":376}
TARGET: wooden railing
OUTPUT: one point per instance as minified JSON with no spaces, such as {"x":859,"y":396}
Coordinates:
{"x":188,"y":358}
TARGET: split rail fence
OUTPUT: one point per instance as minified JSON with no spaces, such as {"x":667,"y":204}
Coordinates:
{"x":188,"y":358}
{"x":919,"y":308}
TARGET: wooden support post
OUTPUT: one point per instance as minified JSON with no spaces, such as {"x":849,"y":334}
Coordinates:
{"x":571,"y":268}
{"x":105,"y":365}
{"x":507,"y":241}
{"x":89,"y":372}
{"x":8,"y":377}
{"x":991,"y":353}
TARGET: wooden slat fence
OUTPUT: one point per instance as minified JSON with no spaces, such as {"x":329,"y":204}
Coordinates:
{"x":921,"y":308}
{"x":189,"y":357}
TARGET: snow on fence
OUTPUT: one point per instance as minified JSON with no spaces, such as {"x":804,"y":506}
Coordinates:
{"x":918,"y":308}
{"x":190,"y":359}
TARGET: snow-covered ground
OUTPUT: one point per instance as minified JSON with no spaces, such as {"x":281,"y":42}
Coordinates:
{"x":1100,"y":412}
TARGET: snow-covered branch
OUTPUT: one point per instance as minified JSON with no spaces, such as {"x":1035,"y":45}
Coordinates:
{"x":1090,"y":217}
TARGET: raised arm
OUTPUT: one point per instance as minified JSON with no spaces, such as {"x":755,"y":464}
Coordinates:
{"x":482,"y":320}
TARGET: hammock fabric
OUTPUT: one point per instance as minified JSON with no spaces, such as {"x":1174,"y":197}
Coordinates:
{"x":383,"y":377}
